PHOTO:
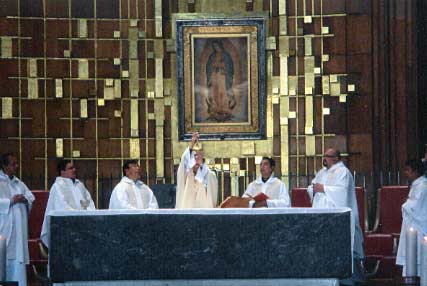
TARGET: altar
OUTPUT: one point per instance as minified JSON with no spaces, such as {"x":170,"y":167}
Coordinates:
{"x":201,"y":247}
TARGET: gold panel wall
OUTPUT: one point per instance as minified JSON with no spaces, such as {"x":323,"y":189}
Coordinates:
{"x":95,"y":81}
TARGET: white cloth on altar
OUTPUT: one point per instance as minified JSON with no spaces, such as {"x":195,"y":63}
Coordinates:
{"x":198,"y":190}
{"x":414,"y":213}
{"x":65,"y":194}
{"x":339,"y":191}
{"x":274,"y":188}
{"x":14,"y":225}
{"x":129,"y":194}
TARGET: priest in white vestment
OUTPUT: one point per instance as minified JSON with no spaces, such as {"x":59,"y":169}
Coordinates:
{"x":332,"y":187}
{"x":197,"y":185}
{"x":67,"y":193}
{"x":266,"y":183}
{"x":130,"y":192}
{"x":15,"y":203}
{"x":414,"y":211}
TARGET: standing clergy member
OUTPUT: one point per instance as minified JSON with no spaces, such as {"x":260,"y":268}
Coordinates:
{"x":67,"y":193}
{"x":197,"y":186}
{"x":130,"y":192}
{"x":334,"y":187}
{"x":275,"y":193}
{"x":414,"y":210}
{"x":15,"y":204}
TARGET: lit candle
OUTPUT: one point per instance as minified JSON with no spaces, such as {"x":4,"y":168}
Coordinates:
{"x":411,"y":252}
{"x":423,"y":274}
{"x":2,"y":258}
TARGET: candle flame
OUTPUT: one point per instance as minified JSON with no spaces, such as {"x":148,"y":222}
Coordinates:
{"x":411,"y":228}
{"x":425,"y":238}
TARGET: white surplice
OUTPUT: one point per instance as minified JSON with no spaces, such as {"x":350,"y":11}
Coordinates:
{"x":339,"y":191}
{"x":195,"y":191}
{"x":65,"y":194}
{"x":414,"y":213}
{"x":14,"y":226}
{"x":274,"y":188}
{"x":129,"y":194}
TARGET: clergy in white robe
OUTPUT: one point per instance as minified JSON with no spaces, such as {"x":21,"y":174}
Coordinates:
{"x":332,"y":187}
{"x":197,"y":185}
{"x":275,"y":189}
{"x":15,"y":203}
{"x":130,"y":192}
{"x":414,"y":211}
{"x":67,"y":193}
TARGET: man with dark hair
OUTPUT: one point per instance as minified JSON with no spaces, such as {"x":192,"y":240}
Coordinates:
{"x":275,"y":191}
{"x":414,"y":210}
{"x":333,"y":187}
{"x":67,"y":193}
{"x":15,"y":203}
{"x":130,"y":192}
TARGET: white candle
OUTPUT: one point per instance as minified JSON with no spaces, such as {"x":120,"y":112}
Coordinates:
{"x":423,"y":274}
{"x":2,"y":258}
{"x":411,"y":252}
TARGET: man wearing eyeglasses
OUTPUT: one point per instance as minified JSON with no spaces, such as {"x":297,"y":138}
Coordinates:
{"x":67,"y":193}
{"x":334,"y":187}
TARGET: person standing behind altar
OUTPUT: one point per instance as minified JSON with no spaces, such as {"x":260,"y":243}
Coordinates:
{"x":15,"y":204}
{"x":333,"y":187}
{"x":272,"y":187}
{"x":130,"y":192}
{"x":67,"y":193}
{"x":197,"y":185}
{"x":414,"y":210}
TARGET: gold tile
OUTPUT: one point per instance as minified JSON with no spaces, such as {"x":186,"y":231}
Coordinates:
{"x":325,"y":30}
{"x":109,"y":82}
{"x":226,"y":167}
{"x":134,"y":148}
{"x":151,"y":116}
{"x":308,"y":130}
{"x":326,"y":111}
{"x":116,"y":34}
{"x":76,"y":153}
{"x":343,"y":98}
{"x":117,"y":88}
{"x":59,"y":142}
{"x":101,"y":102}
{"x":325,"y":85}
{"x":32,"y":67}
{"x":317,"y":70}
{"x":83,"y":68}
{"x":333,"y":78}
{"x":309,"y":90}
{"x":310,"y":145}
{"x":351,"y":88}
{"x":6,"y":47}
{"x":159,"y":78}
{"x":325,"y":58}
{"x":33,"y":88}
{"x":307,"y":19}
{"x":308,"y":48}
{"x":283,"y":121}
{"x":134,"y":117}
{"x":117,"y":113}
{"x":82,"y":28}
{"x":335,"y":89}
{"x":134,"y":93}
{"x":58,"y":88}
{"x":258,"y":160}
{"x":108,"y":93}
{"x":67,"y":53}
{"x":275,"y":90}
{"x":292,"y":114}
{"x":125,"y":74}
{"x":141,"y":34}
{"x":6,"y":107}
{"x":276,"y":100}
{"x":83,"y":108}
{"x":133,"y":22}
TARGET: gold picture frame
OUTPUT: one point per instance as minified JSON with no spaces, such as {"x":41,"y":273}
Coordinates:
{"x":221,"y":78}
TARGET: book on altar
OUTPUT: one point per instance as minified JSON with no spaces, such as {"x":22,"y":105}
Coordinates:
{"x":235,"y":202}
{"x":260,"y":197}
